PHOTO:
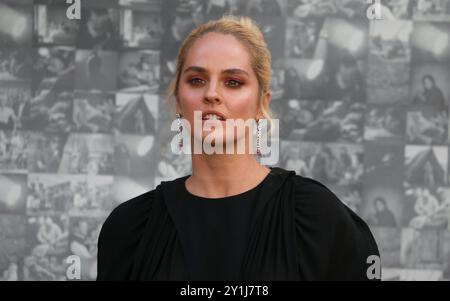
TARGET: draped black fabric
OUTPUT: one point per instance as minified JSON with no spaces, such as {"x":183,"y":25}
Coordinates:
{"x":217,"y":230}
{"x":297,"y":230}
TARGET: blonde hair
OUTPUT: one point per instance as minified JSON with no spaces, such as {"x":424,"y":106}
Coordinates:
{"x":247,"y":32}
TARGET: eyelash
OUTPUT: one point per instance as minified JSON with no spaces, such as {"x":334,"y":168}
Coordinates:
{"x":239,"y":83}
{"x":194,"y":82}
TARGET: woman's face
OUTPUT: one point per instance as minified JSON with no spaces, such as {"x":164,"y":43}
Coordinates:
{"x":217,"y":75}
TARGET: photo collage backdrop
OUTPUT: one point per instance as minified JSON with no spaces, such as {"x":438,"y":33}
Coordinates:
{"x":363,"y":106}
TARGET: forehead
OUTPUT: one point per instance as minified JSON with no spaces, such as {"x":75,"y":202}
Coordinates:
{"x":216,"y":51}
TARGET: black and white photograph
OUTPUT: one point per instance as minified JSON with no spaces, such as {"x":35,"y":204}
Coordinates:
{"x":14,"y":150}
{"x":134,"y":156}
{"x":52,"y":27}
{"x":277,"y":82}
{"x":90,"y":154}
{"x":421,"y":249}
{"x":331,"y":163}
{"x":136,"y":114}
{"x":436,"y":10}
{"x":429,"y":84}
{"x":96,"y":70}
{"x":431,"y":42}
{"x":45,"y":151}
{"x":383,"y":205}
{"x":13,"y":199}
{"x":275,"y":8}
{"x":93,"y":112}
{"x":274,"y":31}
{"x":45,"y":196}
{"x":16,"y":64}
{"x":76,"y":195}
{"x":346,"y":59}
{"x":427,"y":125}
{"x":83,"y":243}
{"x":49,"y":111}
{"x":321,"y":121}
{"x":99,"y":27}
{"x":16,"y":25}
{"x":299,"y":78}
{"x":180,"y":18}
{"x":141,"y":24}
{"x":389,"y":62}
{"x":54,"y":68}
{"x":383,"y":164}
{"x":397,"y":9}
{"x":47,"y":248}
{"x":303,"y":39}
{"x":427,"y":207}
{"x":15,"y":105}
{"x":12,"y":246}
{"x":385,"y":124}
{"x":139,"y":72}
{"x":349,"y":9}
{"x":214,"y":9}
{"x":91,"y":196}
{"x":389,"y":245}
{"x":426,"y":165}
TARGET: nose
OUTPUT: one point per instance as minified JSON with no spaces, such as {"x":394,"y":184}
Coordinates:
{"x":212,"y":95}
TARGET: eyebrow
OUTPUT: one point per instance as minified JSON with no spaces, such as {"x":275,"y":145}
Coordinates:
{"x":233,"y":71}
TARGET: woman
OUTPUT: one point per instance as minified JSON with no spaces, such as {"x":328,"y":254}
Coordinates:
{"x":233,"y":218}
{"x":431,"y":92}
{"x":383,"y":216}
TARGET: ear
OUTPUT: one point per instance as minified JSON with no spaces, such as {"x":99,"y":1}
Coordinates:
{"x":266,"y":97}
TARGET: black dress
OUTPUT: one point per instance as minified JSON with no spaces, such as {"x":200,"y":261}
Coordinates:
{"x":288,"y":227}
{"x":217,"y":231}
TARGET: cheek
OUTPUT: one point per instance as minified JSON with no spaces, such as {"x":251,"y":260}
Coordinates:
{"x":242,"y":103}
{"x":190,"y":96}
{"x":240,"y":108}
{"x":191,"y":100}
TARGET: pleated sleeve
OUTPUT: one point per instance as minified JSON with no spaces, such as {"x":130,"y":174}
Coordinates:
{"x":333,"y":242}
{"x":119,"y":237}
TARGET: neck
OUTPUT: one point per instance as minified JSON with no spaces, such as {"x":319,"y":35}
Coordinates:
{"x":215,"y":176}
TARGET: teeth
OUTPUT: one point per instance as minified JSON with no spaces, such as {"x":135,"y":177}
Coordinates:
{"x":212,"y":117}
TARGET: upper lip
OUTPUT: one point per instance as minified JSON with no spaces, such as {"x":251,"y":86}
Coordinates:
{"x":221,"y":116}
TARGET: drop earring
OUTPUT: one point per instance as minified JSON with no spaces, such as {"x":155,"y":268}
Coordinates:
{"x":180,"y":130}
{"x":258,"y":139}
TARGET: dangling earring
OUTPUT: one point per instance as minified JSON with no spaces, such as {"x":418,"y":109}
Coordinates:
{"x":180,"y":130}
{"x":258,"y":139}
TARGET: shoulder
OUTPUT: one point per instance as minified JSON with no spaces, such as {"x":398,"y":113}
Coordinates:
{"x":132,"y":215}
{"x":337,"y":235}
{"x":128,"y":216}
{"x":313,"y":196}
{"x":120,"y":235}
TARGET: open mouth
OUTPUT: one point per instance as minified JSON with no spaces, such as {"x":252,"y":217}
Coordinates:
{"x":212,"y":116}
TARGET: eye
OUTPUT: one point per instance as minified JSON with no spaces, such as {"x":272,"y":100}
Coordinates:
{"x":233,"y":83}
{"x":196,"y":81}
